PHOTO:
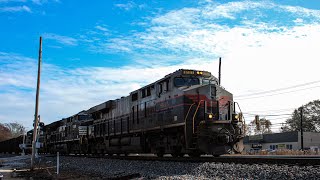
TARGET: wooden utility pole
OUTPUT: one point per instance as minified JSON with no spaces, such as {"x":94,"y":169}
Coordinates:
{"x":35,"y":122}
{"x":301,"y":128}
{"x":219,"y":70}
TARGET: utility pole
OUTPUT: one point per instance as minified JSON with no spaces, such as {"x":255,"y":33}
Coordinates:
{"x":301,"y":129}
{"x":36,"y":108}
{"x":219,"y":70}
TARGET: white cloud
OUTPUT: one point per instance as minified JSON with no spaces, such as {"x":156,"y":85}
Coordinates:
{"x":9,"y":1}
{"x":65,"y":40}
{"x":230,"y":10}
{"x":298,"y":20}
{"x":15,"y":9}
{"x":41,"y":2}
{"x":101,"y":28}
{"x":301,"y":11}
{"x":130,"y":5}
{"x":126,"y":6}
{"x":257,"y":55}
{"x":63,"y":92}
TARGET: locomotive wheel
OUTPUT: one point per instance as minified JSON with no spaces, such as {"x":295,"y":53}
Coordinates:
{"x":160,"y":154}
{"x":175,"y":154}
{"x":160,"y":151}
{"x":194,"y":154}
{"x":181,"y":154}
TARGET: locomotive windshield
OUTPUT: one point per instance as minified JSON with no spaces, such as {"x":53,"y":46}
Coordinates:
{"x":186,"y":81}
{"x":209,"y":81}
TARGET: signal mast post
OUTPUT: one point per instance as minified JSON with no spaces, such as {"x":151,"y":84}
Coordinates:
{"x":36,"y":108}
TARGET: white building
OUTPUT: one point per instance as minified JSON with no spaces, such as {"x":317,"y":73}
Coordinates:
{"x":286,"y":140}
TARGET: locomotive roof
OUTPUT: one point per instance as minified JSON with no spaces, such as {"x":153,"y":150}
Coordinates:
{"x":187,"y":72}
{"x":110,"y":103}
{"x":99,"y":107}
{"x":181,"y":72}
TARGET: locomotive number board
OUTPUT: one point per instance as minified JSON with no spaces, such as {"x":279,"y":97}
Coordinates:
{"x":188,"y":72}
{"x":201,"y":73}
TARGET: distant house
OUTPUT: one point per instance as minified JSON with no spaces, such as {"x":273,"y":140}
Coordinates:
{"x":286,"y":140}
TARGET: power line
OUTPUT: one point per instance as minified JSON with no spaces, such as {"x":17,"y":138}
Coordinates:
{"x":268,"y":114}
{"x":279,"y":121}
{"x":278,"y":93}
{"x":279,"y":89}
{"x":271,"y":118}
{"x":273,"y":110}
{"x":277,"y":117}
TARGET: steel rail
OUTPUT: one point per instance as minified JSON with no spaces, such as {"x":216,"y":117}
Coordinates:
{"x":238,"y":159}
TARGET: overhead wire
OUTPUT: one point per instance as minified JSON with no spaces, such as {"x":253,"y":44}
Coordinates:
{"x":276,"y":94}
{"x":279,"y":89}
{"x":274,"y":110}
{"x":268,"y":114}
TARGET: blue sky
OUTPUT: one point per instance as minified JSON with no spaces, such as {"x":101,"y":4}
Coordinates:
{"x":97,"y":51}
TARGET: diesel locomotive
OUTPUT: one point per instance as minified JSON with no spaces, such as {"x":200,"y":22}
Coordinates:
{"x":185,"y":112}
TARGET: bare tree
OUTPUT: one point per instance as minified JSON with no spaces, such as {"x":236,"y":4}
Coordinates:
{"x":11,"y":130}
{"x":4,"y":133}
{"x":262,"y":126}
{"x":265,"y":126}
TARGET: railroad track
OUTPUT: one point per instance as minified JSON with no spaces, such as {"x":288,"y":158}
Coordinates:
{"x":239,"y":159}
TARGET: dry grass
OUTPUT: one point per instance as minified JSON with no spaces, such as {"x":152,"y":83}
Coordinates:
{"x":284,"y":152}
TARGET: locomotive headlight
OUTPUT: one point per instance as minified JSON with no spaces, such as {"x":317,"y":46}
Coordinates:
{"x":210,"y":116}
{"x":237,"y":117}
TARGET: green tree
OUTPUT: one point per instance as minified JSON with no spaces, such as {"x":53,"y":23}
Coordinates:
{"x":310,"y":118}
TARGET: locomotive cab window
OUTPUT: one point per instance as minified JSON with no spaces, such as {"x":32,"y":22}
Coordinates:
{"x":186,"y":81}
{"x":209,"y":81}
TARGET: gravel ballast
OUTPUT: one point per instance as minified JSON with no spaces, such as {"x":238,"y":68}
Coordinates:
{"x":112,"y":168}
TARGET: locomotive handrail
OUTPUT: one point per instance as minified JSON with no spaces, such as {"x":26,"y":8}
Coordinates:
{"x":185,"y":119}
{"x":185,"y":124}
{"x":244,"y":120}
{"x":195,"y":115}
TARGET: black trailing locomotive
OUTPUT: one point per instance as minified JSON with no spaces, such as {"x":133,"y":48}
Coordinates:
{"x":186,"y":112}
